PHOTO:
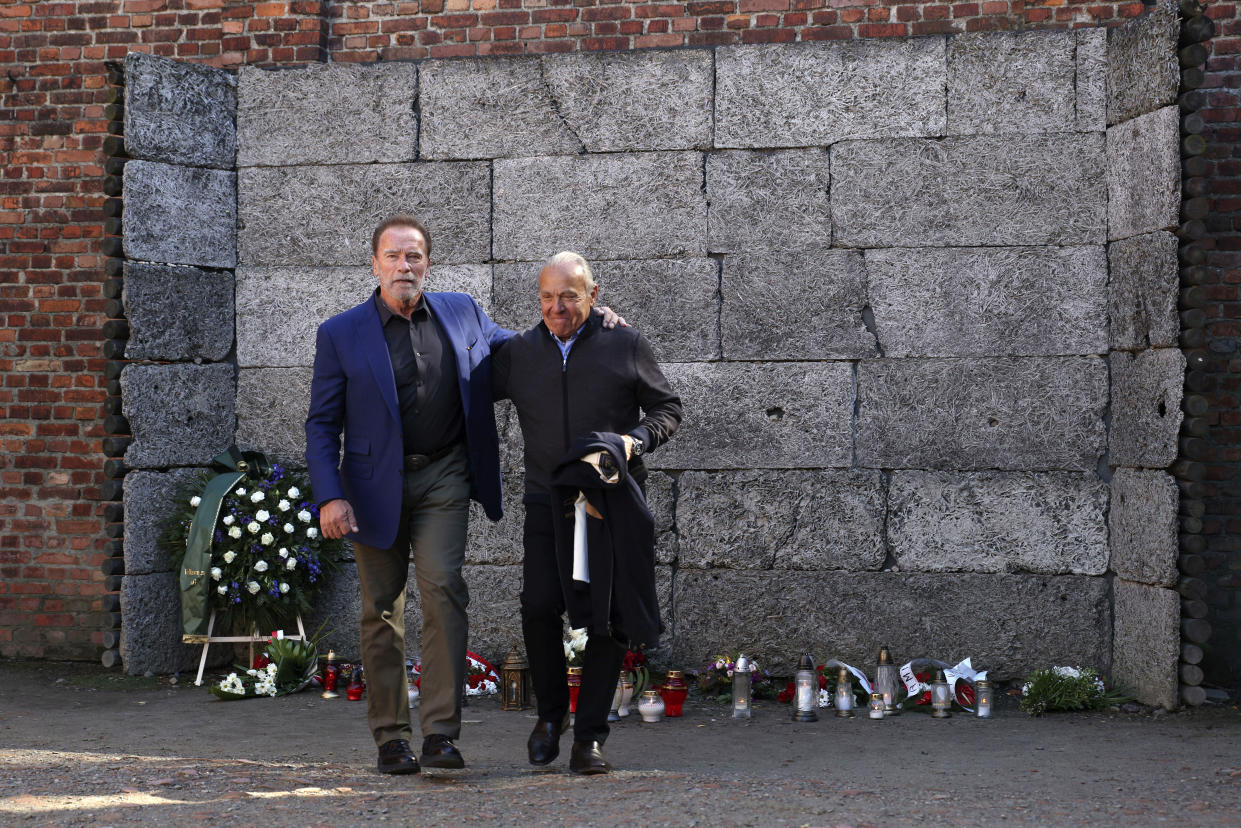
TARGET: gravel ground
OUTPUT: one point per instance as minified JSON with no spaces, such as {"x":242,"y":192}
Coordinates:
{"x":80,"y":745}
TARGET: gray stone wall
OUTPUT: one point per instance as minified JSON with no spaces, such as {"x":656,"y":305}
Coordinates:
{"x":918,"y":297}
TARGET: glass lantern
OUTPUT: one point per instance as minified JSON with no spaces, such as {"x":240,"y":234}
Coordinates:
{"x":844,"y":694}
{"x":941,"y":697}
{"x":806,"y":698}
{"x":887,"y":682}
{"x":741,"y":688}
{"x":983,"y":699}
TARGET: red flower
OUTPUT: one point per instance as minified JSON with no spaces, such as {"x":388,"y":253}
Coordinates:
{"x":786,"y":695}
{"x":965,"y":694}
{"x":925,"y":678}
{"x":260,"y":661}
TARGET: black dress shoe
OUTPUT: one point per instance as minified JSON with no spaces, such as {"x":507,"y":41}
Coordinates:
{"x":586,"y":758}
{"x":396,"y":757}
{"x":543,"y":746}
{"x":438,"y":751}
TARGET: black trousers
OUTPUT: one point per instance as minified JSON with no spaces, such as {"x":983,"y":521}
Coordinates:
{"x":542,"y":624}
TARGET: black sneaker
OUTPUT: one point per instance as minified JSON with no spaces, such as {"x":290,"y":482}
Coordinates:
{"x":438,"y":751}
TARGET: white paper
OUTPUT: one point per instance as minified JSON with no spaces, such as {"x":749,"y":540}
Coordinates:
{"x":581,"y":564}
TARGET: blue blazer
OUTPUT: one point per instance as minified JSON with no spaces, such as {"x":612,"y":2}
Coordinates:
{"x":353,"y":391}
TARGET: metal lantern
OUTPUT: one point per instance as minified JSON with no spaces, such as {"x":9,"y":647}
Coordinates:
{"x":806,"y":697}
{"x":741,"y":688}
{"x":887,"y":682}
{"x":514,"y":681}
{"x":844,"y":694}
{"x":941,"y":697}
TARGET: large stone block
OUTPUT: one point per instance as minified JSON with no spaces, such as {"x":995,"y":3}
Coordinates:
{"x":803,"y":94}
{"x":179,"y":113}
{"x":795,"y":305}
{"x":274,"y":331}
{"x":1143,"y":525}
{"x":969,"y":191}
{"x":150,"y":497}
{"x":626,"y":206}
{"x":177,"y":313}
{"x":336,"y":113}
{"x":271,"y":412}
{"x":151,"y":626}
{"x":1142,"y":292}
{"x":1144,"y":174}
{"x":1147,"y":643}
{"x":1008,"y":624}
{"x":1051,"y":523}
{"x":987,"y":95}
{"x":180,"y":215}
{"x":768,"y":201}
{"x":1036,"y":413}
{"x":620,"y":101}
{"x":498,"y":543}
{"x":661,"y":499}
{"x":993,"y":301}
{"x":1143,"y":73}
{"x":326,"y":215}
{"x":779,"y":415}
{"x":673,"y":302}
{"x":781,"y":520}
{"x":180,"y":415}
{"x":491,"y":108}
{"x":1146,"y":407}
{"x":1091,"y":80}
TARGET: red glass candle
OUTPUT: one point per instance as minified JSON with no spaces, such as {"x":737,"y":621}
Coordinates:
{"x":575,"y":687}
{"x":674,"y":692}
{"x":356,"y":685}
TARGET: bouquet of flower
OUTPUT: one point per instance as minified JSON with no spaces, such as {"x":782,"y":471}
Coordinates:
{"x":716,"y":680}
{"x":267,"y":555}
{"x":481,"y":678}
{"x":1054,"y":689}
{"x":635,"y":665}
{"x":290,"y":665}
{"x":575,"y":647}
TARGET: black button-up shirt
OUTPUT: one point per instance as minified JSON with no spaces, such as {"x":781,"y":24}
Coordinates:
{"x":426,"y":379}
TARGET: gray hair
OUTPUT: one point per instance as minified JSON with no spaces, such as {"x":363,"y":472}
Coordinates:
{"x":571,"y":260}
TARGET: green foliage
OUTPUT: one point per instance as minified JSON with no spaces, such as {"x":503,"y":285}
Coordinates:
{"x":1054,"y":689}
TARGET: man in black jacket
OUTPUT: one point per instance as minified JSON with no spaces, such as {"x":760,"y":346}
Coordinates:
{"x":569,"y":377}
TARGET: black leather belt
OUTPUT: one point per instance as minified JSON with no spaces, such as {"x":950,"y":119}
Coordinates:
{"x":417,"y":462}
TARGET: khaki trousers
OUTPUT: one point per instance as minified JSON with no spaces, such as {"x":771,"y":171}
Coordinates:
{"x":434,"y":517}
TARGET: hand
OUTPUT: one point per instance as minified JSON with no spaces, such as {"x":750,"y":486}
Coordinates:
{"x":629,"y":441}
{"x":336,"y":519}
{"x":610,"y":317}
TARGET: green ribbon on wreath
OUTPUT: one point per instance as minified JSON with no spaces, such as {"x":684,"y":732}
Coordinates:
{"x":195,"y":585}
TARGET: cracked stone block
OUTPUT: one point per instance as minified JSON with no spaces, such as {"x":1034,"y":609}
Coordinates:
{"x":1146,"y":407}
{"x":620,"y":101}
{"x":986,"y":95}
{"x":180,"y":414}
{"x":795,"y":305}
{"x":673,"y":302}
{"x":150,"y":497}
{"x":326,"y":215}
{"x":981,"y":190}
{"x":271,"y":412}
{"x":796,"y":95}
{"x":151,"y":626}
{"x":781,"y":415}
{"x":180,"y":215}
{"x":1050,"y":523}
{"x":1143,"y":522}
{"x":1144,"y":174}
{"x":781,"y":520}
{"x":336,"y":113}
{"x":1143,"y":72}
{"x":1091,"y":80}
{"x":768,"y":200}
{"x":1142,"y":292}
{"x":993,"y":301}
{"x":179,"y":113}
{"x":661,"y":499}
{"x":628,"y":206}
{"x":177,"y":313}
{"x":272,"y":331}
{"x":1031,"y":413}
{"x":1147,"y":643}
{"x":499,"y":543}
{"x":490,"y":108}
{"x":1009,"y":624}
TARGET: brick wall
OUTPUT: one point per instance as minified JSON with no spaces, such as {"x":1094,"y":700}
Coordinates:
{"x":52,"y":95}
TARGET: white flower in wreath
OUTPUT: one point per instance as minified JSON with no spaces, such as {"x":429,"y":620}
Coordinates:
{"x":253,"y":527}
{"x":825,"y":698}
{"x":267,"y":538}
{"x":262,"y":515}
{"x":228,"y":520}
{"x":195,"y":500}
{"x":288,"y":528}
{"x":235,"y":532}
{"x":222,"y":589}
{"x":295,"y":492}
{"x":304,"y":516}
{"x":239,"y":492}
{"x":291,"y":563}
{"x":284,"y":505}
{"x":312,"y":532}
{"x":230,"y":555}
{"x":232,"y":684}
{"x":253,"y":587}
{"x":256,"y":497}
{"x":284,"y":588}
{"x":261,"y":566}
{"x":216,"y":573}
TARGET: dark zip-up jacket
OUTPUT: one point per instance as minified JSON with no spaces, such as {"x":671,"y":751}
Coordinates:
{"x":609,"y":383}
